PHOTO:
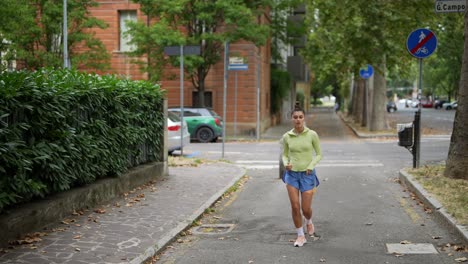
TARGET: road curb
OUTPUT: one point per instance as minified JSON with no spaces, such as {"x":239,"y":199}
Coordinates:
{"x":160,"y":245}
{"x":364,"y":135}
{"x":439,"y":211}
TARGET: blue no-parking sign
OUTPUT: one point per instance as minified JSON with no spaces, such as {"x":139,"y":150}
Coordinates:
{"x":421,"y":43}
{"x":366,"y":72}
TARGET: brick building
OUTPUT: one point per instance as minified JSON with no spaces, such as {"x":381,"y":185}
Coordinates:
{"x":247,"y":107}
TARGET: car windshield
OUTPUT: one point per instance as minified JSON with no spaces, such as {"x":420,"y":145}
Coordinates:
{"x":213,"y":113}
{"x":173,"y":117}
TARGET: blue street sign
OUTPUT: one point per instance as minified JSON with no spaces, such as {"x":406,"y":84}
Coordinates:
{"x":366,"y":73}
{"x":238,"y":67}
{"x":421,"y":43}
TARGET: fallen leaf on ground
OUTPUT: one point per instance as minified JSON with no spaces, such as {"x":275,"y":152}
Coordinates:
{"x":100,"y":211}
{"x":323,"y":260}
{"x":77,"y":237}
{"x":464,"y":259}
{"x":405,"y":242}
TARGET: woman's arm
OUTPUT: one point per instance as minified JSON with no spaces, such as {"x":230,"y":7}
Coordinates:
{"x":285,"y":153}
{"x":318,"y":152}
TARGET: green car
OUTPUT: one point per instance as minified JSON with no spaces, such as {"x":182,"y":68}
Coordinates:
{"x":204,"y":124}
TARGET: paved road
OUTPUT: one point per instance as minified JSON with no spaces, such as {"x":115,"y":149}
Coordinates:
{"x":360,"y":209}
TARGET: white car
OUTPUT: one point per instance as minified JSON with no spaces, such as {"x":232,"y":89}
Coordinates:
{"x":448,"y":106}
{"x":174,"y":132}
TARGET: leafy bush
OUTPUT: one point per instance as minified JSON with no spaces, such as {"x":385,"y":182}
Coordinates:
{"x":60,"y":129}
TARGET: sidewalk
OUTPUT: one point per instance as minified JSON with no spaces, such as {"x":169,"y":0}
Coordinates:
{"x":134,"y":228}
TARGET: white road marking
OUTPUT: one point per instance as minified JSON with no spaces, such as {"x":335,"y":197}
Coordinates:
{"x":423,"y":248}
{"x":274,"y":164}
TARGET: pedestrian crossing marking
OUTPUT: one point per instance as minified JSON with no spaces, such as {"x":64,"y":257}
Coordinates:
{"x":274,"y":164}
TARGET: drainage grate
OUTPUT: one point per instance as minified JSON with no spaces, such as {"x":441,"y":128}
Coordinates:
{"x":213,"y":229}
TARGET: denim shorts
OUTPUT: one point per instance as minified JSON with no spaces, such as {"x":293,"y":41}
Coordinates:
{"x":300,"y":180}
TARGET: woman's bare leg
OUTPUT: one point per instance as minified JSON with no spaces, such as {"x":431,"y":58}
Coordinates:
{"x":307,"y":198}
{"x":295,"y":205}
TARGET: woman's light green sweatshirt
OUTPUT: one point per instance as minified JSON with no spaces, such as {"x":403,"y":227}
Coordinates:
{"x":298,"y":150}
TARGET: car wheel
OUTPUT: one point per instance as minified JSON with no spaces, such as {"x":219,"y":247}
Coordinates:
{"x":391,"y":110}
{"x":205,"y":134}
{"x":448,"y":108}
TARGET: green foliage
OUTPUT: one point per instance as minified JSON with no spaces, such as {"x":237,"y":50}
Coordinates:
{"x":280,"y":85}
{"x":195,"y":22}
{"x":60,"y":129}
{"x":32,"y":34}
{"x":346,"y":35}
{"x":442,"y":69}
{"x":300,"y":97}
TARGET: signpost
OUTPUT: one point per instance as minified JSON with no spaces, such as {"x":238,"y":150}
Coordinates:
{"x":181,"y":51}
{"x":366,"y":73}
{"x":236,"y":64}
{"x":450,"y":6}
{"x":421,"y":43}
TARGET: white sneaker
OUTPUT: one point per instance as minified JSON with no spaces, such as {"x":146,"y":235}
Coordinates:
{"x":300,"y":241}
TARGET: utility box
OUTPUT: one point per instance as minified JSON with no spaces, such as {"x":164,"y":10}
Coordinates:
{"x":405,"y":134}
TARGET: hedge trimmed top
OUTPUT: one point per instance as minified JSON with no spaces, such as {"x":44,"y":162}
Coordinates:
{"x":62,"y":128}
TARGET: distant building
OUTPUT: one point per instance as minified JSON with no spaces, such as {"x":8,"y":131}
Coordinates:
{"x":252,"y":85}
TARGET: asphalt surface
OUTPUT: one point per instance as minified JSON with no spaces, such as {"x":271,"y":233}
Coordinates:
{"x":253,"y":225}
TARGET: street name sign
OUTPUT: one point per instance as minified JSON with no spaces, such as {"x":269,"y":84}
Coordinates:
{"x":421,"y":43}
{"x":188,"y":50}
{"x":450,"y":6}
{"x":237,"y":64}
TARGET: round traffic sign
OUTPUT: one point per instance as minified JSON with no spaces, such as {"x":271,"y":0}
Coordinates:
{"x":421,"y":43}
{"x":366,"y":73}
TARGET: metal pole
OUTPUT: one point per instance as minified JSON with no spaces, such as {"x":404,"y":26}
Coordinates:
{"x":65,"y":36}
{"x":416,"y":139}
{"x":418,"y":120}
{"x":364,"y":119}
{"x":258,"y":97}
{"x":226,"y":53}
{"x":235,"y":107}
{"x":182,"y":99}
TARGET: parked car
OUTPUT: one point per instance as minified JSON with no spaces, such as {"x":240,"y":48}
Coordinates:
{"x":204,"y":124}
{"x":174,"y":127}
{"x":391,"y":107}
{"x":427,"y":103}
{"x":414,"y":103}
{"x":438,"y":103}
{"x":449,"y":106}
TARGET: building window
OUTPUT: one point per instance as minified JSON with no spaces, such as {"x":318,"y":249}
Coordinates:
{"x":124,"y":16}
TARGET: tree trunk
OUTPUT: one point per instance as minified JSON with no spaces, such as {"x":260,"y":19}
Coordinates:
{"x":457,"y":160}
{"x":201,"y":89}
{"x":378,"y":114}
{"x":359,"y":101}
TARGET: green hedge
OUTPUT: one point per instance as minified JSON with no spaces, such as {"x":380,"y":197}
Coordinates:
{"x":60,"y":129}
